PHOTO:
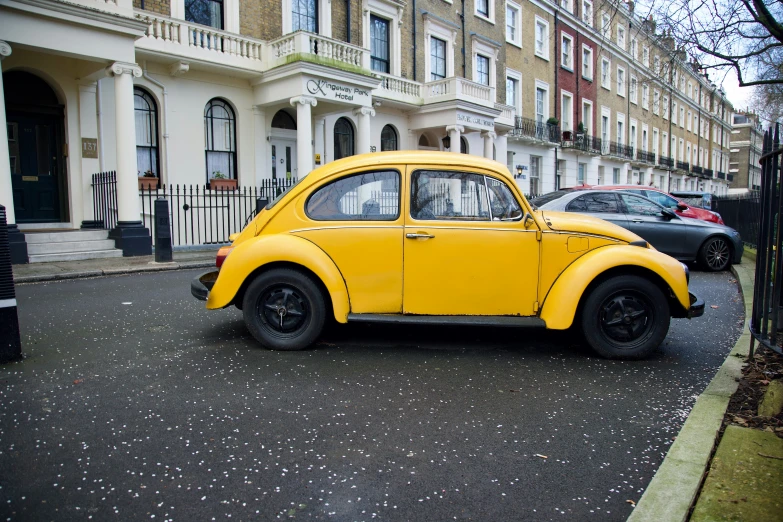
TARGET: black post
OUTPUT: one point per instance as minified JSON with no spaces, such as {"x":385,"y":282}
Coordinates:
{"x":10,"y":342}
{"x":162,"y":231}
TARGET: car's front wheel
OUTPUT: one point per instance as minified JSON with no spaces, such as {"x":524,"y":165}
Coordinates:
{"x":284,"y":309}
{"x":625,"y":317}
{"x":715,"y":254}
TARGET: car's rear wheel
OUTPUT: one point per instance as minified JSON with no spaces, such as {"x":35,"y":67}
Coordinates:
{"x":715,"y":254}
{"x":625,"y":317}
{"x":284,"y":309}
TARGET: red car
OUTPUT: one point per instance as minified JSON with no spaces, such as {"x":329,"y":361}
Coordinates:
{"x":667,"y":200}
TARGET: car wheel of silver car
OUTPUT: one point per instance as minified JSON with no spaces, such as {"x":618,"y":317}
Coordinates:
{"x":284,"y":309}
{"x":625,"y":317}
{"x":715,"y":254}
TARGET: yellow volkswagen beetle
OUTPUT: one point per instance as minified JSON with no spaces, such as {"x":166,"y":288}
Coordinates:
{"x":441,"y":238}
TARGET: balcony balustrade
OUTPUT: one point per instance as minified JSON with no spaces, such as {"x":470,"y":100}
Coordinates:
{"x":454,"y":88}
{"x":507,"y":114}
{"x":684,"y":165}
{"x":398,"y":89}
{"x":722,"y":175}
{"x":620,"y":150}
{"x":709,"y":173}
{"x":729,"y":177}
{"x":581,"y":141}
{"x":331,"y":52}
{"x":665,"y":161}
{"x":645,"y":157}
{"x":698,"y":170}
{"x":534,"y":130}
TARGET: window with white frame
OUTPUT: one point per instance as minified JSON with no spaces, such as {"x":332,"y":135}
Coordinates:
{"x":688,"y":123}
{"x":379,"y":44}
{"x":656,"y":65}
{"x":482,"y":70}
{"x":620,"y":81}
{"x":606,"y":26}
{"x":587,"y":12}
{"x":682,"y":116}
{"x":665,"y":107}
{"x":633,"y":48}
{"x":634,"y":90}
{"x":690,"y":90}
{"x":620,"y":136}
{"x":664,"y":144}
{"x":513,"y":18}
{"x":621,"y":36}
{"x":656,"y":102}
{"x":645,"y":56}
{"x":306,"y":15}
{"x":567,"y":51}
{"x":542,"y":101}
{"x":437,"y":59}
{"x":645,"y":97}
{"x":483,"y":8}
{"x":542,"y":38}
{"x":566,"y":4}
{"x":211,"y":12}
{"x":567,"y":111}
{"x":606,"y":66}
{"x":645,"y":137}
{"x":587,"y":117}
{"x":655,"y":144}
{"x":439,"y":45}
{"x":587,"y":62}
{"x":484,"y":61}
{"x":632,"y":131}
{"x":382,"y":35}
{"x":513,"y":90}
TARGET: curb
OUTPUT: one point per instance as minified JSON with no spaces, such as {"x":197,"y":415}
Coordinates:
{"x":677,"y":482}
{"x":162,"y":267}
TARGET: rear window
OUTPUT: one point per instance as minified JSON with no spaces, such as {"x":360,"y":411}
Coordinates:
{"x":546,"y":198}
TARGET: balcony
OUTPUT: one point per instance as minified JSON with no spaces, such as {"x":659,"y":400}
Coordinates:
{"x":582,"y":142}
{"x":665,"y":161}
{"x":709,"y":173}
{"x":729,"y":177}
{"x":645,"y":157}
{"x":698,"y":170}
{"x":310,"y":47}
{"x":507,"y":114}
{"x":534,"y":131}
{"x":398,"y":89}
{"x":722,"y":175}
{"x":451,"y":89}
{"x":683,"y":165}
{"x":620,"y":150}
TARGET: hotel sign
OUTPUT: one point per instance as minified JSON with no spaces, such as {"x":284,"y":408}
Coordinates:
{"x":470,"y":120}
{"x":336,"y":91}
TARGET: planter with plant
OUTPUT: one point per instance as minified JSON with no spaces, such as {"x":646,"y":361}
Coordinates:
{"x":148,"y":180}
{"x":220,"y":181}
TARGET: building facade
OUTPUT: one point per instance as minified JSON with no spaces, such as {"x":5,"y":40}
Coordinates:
{"x":188,"y":91}
{"x":746,"y":144}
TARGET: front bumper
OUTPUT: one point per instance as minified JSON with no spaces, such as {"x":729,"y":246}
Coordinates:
{"x":201,"y":285}
{"x":697,"y":306}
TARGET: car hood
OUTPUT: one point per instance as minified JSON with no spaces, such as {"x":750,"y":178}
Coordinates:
{"x":580,"y":223}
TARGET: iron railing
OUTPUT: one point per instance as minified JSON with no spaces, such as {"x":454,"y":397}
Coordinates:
{"x":742,"y":213}
{"x":709,"y":173}
{"x":646,"y":157}
{"x":729,"y":177}
{"x":698,"y":170}
{"x":618,"y":149}
{"x":582,"y":142}
{"x":665,"y":161}
{"x":529,"y":128}
{"x":199,"y":216}
{"x":766,"y":318}
{"x":684,"y":165}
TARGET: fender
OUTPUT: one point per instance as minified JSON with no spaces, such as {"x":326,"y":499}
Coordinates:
{"x":249,"y":255}
{"x":561,"y":303}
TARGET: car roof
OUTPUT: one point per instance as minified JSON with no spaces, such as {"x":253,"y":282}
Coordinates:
{"x":567,"y":195}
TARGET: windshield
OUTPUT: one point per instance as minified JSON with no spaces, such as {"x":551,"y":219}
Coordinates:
{"x":546,"y":198}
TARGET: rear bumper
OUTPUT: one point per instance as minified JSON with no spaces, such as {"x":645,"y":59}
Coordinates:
{"x":201,"y":285}
{"x":697,"y":306}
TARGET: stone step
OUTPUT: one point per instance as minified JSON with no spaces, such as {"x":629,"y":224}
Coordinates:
{"x":62,"y":247}
{"x":75,"y":256}
{"x":70,"y":235}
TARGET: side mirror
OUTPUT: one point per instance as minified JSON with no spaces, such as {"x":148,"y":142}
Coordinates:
{"x":668,"y":213}
{"x":682,"y":206}
{"x":527,"y":220}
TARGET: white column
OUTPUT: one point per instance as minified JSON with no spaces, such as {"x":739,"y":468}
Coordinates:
{"x":455,"y":131}
{"x":304,"y":134}
{"x":125,"y":137}
{"x":413,"y":141}
{"x":489,"y":141}
{"x":362,"y":114}
{"x":6,"y":191}
{"x":320,"y":140}
{"x":260,"y":144}
{"x":501,"y":149}
{"x":81,"y":198}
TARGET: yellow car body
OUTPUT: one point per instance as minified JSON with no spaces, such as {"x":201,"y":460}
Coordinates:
{"x":406,"y":262}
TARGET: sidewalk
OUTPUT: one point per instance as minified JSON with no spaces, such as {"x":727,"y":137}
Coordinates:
{"x":36,"y":272}
{"x":744,"y":479}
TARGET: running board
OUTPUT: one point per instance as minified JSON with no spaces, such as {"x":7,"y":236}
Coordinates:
{"x":466,"y":320}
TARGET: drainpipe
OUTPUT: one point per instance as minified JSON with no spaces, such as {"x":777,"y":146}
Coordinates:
{"x":99,"y":116}
{"x":348,"y":21}
{"x":462,"y":16}
{"x":557,"y":95}
{"x":413,"y":13}
{"x":150,"y":79}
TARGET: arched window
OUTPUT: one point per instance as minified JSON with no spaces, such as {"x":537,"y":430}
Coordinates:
{"x":343,"y":139}
{"x":424,"y":141}
{"x":146,"y":113}
{"x":463,"y":145}
{"x":389,"y":138}
{"x":305,"y":15}
{"x":283,"y":120}
{"x":220,"y":133}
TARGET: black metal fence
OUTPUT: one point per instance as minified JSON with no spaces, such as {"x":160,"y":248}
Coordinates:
{"x":742,"y":213}
{"x":199,"y":216}
{"x":766,"y":318}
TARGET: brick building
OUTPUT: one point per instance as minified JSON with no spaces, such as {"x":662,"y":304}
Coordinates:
{"x":746,"y":144}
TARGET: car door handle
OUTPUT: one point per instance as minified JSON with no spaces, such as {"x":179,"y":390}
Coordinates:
{"x":419,"y":236}
{"x":636,"y":220}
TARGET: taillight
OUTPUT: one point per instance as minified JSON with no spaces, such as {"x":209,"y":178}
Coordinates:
{"x":222,"y":255}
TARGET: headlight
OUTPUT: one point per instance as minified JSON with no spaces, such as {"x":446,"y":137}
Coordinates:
{"x":687,"y":272}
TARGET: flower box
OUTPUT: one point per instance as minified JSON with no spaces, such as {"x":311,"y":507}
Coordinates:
{"x":147,"y":183}
{"x":222,"y":184}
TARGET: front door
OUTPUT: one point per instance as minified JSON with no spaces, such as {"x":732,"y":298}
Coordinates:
{"x":283,"y":158}
{"x":466,"y":249}
{"x":34,"y":146}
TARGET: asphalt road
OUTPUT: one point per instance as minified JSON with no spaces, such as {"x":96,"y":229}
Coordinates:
{"x":134,"y":402}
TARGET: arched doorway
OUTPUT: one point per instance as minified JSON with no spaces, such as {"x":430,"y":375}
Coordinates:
{"x":34,"y":118}
{"x":283,"y":142}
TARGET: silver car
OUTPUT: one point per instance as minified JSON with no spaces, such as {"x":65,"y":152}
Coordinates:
{"x":715,"y":247}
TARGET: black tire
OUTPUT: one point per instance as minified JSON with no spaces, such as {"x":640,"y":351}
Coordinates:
{"x":625,"y":317}
{"x":715,"y":254}
{"x":284,"y":309}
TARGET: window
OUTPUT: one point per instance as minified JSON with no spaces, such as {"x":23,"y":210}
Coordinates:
{"x":567,"y":111}
{"x":634,"y":90}
{"x":542,"y":103}
{"x":646,"y":56}
{"x":379,"y":42}
{"x":566,"y":4}
{"x":645,"y":97}
{"x":633,"y":48}
{"x":620,"y":81}
{"x":542,"y":38}
{"x":371,"y":196}
{"x":437,"y":59}
{"x":389,"y":138}
{"x":483,"y":7}
{"x":688,"y":123}
{"x":674,"y":113}
{"x":598,"y":203}
{"x":620,"y":129}
{"x":587,"y":116}
{"x":606,"y":26}
{"x":205,"y":12}
{"x":605,"y":67}
{"x":535,"y":173}
{"x":513,"y":34}
{"x":615,"y":176}
{"x":682,"y":116}
{"x":587,"y":12}
{"x":449,"y":196}
{"x":657,"y":65}
{"x":655,"y":144}
{"x":305,"y":16}
{"x":587,"y":63}
{"x":638,"y":205}
{"x":220,"y":134}
{"x":482,"y":69}
{"x":656,"y":102}
{"x":566,"y":47}
{"x":343,"y":138}
{"x":665,"y":107}
{"x":580,"y":177}
{"x":146,"y":115}
{"x":690,"y":90}
{"x":621,"y":37}
{"x":513,"y":92}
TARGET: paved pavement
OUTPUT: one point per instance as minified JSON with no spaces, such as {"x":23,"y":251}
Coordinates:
{"x":134,"y":401}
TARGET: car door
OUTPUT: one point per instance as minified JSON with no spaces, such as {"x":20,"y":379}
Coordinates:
{"x":603,"y":205}
{"x":356,"y":220}
{"x":466,"y":248}
{"x":667,"y":234}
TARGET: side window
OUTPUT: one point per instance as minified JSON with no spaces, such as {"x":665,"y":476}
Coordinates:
{"x":448,"y":195}
{"x":598,"y":203}
{"x":577,"y":205}
{"x":502,"y":202}
{"x":371,"y":196}
{"x":640,"y":206}
{"x":662,"y":199}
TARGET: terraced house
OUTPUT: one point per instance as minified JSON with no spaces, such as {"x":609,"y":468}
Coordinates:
{"x":189,"y":92}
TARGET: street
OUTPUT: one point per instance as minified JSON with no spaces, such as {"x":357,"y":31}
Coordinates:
{"x":135,"y":402}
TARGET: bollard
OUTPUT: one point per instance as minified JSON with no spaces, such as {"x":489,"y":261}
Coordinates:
{"x":10,"y":343}
{"x":162,"y":231}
